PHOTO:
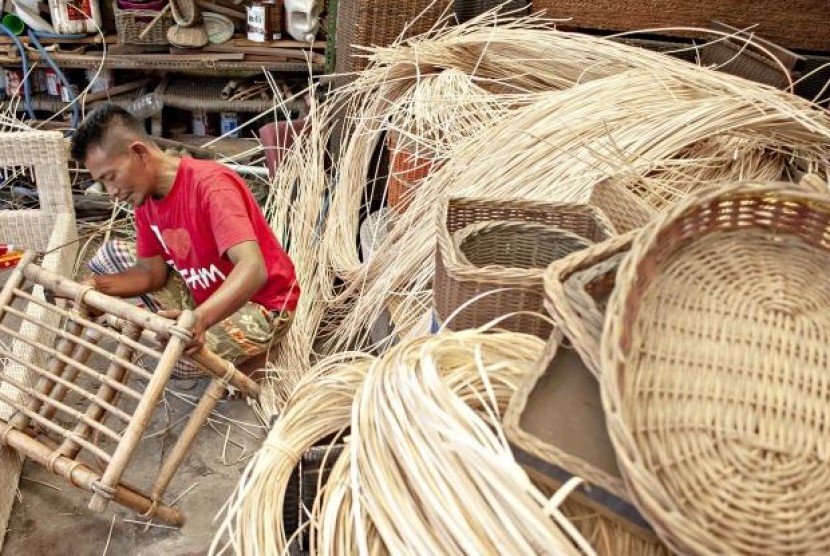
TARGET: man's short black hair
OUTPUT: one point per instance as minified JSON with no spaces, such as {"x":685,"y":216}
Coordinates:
{"x":92,"y":131}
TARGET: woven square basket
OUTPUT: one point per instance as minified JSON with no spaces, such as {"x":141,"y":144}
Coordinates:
{"x":556,"y":429}
{"x":715,"y":358}
{"x":129,"y":24}
{"x":488,"y":271}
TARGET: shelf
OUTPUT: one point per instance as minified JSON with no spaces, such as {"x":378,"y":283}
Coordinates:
{"x":205,"y":94}
{"x":42,"y":101}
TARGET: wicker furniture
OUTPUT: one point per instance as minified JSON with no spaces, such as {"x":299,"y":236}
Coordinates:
{"x":715,"y":357}
{"x":56,"y":412}
{"x":51,"y":229}
{"x":501,"y":272}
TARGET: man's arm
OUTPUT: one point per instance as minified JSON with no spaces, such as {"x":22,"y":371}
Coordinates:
{"x":147,"y":275}
{"x":247,"y":277}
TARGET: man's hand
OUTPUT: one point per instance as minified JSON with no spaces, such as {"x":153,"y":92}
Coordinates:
{"x":199,"y":329}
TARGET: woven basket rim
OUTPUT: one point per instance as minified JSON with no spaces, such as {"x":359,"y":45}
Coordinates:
{"x":682,"y":534}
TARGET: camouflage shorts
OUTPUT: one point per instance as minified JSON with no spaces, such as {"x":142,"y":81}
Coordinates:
{"x":250,"y":331}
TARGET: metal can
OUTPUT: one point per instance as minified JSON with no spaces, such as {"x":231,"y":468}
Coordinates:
{"x":14,"y":82}
{"x":53,"y":84}
{"x":228,"y":121}
{"x":259,"y":22}
{"x":38,"y":81}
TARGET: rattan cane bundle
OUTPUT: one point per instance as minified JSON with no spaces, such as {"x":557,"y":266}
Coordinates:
{"x":715,"y":361}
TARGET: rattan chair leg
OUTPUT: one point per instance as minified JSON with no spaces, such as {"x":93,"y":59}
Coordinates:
{"x":141,"y":417}
{"x":81,"y":476}
{"x":213,"y":393}
{"x":96,"y":412}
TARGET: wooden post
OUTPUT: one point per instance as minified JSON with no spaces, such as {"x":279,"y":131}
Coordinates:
{"x":218,"y":367}
{"x":142,"y":415}
{"x":14,"y":280}
{"x":213,"y":393}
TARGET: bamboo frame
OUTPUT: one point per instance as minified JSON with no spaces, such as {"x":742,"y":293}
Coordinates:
{"x":33,"y":428}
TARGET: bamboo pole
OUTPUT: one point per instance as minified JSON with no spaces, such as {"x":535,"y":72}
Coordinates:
{"x":96,"y":413}
{"x":219,"y":368}
{"x":60,"y":380}
{"x":14,"y":281}
{"x":142,"y":415}
{"x":64,"y":287}
{"x":83,"y":477}
{"x":213,"y":393}
{"x":70,"y":374}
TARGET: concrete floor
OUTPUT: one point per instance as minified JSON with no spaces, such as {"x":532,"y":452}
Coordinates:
{"x":51,"y":517}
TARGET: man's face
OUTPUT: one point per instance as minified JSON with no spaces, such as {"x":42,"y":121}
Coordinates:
{"x":124,"y":175}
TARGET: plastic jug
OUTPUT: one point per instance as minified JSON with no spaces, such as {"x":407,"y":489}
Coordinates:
{"x":302,"y":18}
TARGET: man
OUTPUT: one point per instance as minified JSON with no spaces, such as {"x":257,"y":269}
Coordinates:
{"x":198,"y":218}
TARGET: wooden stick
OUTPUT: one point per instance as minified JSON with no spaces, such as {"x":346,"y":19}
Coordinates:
{"x":65,"y":287}
{"x":219,"y":367}
{"x":118,"y":90}
{"x":60,"y":380}
{"x":14,"y":281}
{"x":117,"y":373}
{"x":54,"y":367}
{"x":142,"y":415}
{"x":213,"y":393}
{"x":229,"y":12}
{"x":83,"y":477}
{"x":97,"y":349}
{"x":53,"y":427}
{"x":153,"y":21}
{"x":69,"y":374}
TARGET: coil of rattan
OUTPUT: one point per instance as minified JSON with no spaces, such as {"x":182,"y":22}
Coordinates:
{"x":715,"y":359}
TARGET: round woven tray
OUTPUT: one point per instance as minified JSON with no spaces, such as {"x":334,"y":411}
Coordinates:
{"x":715,"y":359}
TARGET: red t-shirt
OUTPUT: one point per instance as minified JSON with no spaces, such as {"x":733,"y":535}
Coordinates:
{"x":209,"y":209}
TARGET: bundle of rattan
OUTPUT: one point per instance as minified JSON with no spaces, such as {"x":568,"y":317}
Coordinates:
{"x":664,"y":138}
{"x":421,"y":448}
{"x":715,"y":357}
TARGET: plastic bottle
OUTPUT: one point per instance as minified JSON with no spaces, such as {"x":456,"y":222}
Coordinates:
{"x":302,"y":18}
{"x":145,"y":106}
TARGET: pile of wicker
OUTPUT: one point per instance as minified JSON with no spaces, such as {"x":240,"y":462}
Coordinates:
{"x":607,"y":280}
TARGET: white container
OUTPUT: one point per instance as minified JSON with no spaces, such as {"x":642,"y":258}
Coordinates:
{"x":68,"y":93}
{"x":75,"y":16}
{"x":302,"y":19}
{"x":259,"y":22}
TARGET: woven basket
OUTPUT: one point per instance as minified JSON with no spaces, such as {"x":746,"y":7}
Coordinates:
{"x":406,"y":171}
{"x":130,"y":23}
{"x":577,"y":289}
{"x":624,"y":208}
{"x":521,"y":249}
{"x":556,"y":428}
{"x":715,"y":359}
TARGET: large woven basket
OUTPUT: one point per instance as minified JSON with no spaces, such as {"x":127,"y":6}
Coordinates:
{"x":715,"y":360}
{"x":556,"y":428}
{"x":507,"y":258}
{"x":577,"y":288}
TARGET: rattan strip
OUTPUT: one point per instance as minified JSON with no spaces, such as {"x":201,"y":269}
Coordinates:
{"x":65,"y":383}
{"x":48,"y":424}
{"x":98,"y":328}
{"x":101,"y":378}
{"x":725,"y":377}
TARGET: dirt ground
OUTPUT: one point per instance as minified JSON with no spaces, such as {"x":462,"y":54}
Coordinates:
{"x":51,"y":517}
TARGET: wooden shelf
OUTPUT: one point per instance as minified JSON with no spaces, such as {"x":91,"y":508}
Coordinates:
{"x":42,"y":101}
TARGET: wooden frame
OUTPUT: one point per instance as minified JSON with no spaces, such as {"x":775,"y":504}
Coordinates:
{"x":33,"y":428}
